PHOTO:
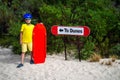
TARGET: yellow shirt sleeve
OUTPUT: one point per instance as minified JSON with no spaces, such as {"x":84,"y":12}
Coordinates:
{"x":22,"y":28}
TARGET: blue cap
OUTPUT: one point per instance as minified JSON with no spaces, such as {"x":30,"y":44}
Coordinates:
{"x":27,"y":16}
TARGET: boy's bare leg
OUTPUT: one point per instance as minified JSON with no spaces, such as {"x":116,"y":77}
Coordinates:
{"x":22,"y":60}
{"x":22,"y":57}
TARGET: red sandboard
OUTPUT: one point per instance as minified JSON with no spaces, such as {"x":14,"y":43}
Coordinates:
{"x":39,"y":43}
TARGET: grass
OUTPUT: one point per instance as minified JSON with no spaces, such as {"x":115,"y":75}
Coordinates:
{"x":94,"y":57}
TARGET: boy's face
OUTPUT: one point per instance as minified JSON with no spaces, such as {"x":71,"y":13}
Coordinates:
{"x":28,"y":21}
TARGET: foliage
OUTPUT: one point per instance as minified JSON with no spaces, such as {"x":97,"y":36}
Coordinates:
{"x":115,"y":50}
{"x":88,"y":49}
{"x":5,"y":42}
{"x":16,"y":47}
{"x":14,"y":30}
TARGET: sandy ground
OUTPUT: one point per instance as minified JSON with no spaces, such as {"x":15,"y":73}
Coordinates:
{"x":55,"y":68}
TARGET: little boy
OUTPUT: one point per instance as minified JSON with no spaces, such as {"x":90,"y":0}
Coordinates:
{"x":26,"y":38}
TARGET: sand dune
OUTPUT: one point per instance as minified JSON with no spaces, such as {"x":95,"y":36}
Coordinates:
{"x":54,"y":68}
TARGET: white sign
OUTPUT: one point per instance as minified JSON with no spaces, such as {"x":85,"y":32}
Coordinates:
{"x":70,"y":30}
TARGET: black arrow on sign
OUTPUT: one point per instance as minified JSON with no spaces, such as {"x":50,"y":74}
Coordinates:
{"x":61,"y":30}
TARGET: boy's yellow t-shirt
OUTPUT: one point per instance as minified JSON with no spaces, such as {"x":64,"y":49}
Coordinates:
{"x":27,"y":32}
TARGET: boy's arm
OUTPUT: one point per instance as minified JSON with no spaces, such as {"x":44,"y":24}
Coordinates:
{"x":21,"y":33}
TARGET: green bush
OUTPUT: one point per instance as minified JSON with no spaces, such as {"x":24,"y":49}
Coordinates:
{"x":87,"y":50}
{"x":5,"y":41}
{"x":115,"y":50}
{"x":16,"y":47}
